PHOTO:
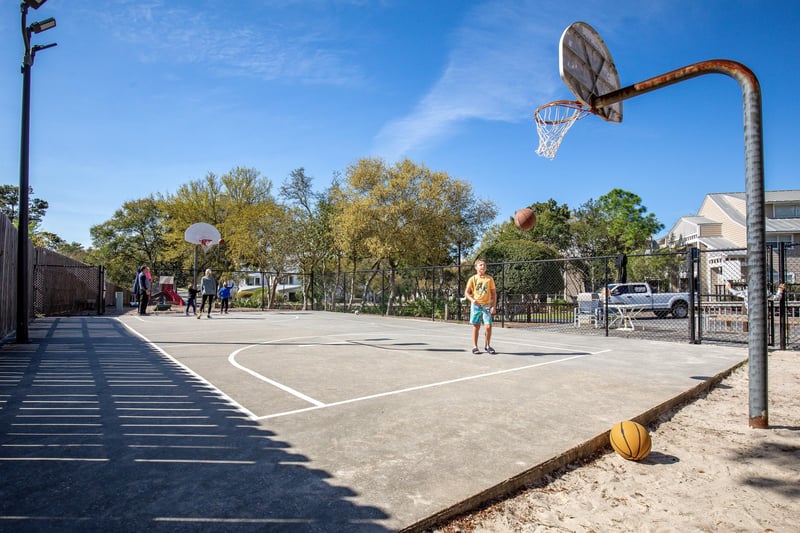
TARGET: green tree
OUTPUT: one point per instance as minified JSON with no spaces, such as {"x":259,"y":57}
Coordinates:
{"x":661,"y":269}
{"x":529,"y":269}
{"x":630,"y":228}
{"x":9,"y":206}
{"x":552,"y":227}
{"x":310,"y":219}
{"x":589,"y":231}
{"x":133,"y":236}
{"x":239,"y":204}
{"x":200,"y":200}
{"x":615,"y":223}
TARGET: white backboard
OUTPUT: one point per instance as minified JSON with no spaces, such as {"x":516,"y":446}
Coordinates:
{"x":587,"y":69}
{"x":202,"y":232}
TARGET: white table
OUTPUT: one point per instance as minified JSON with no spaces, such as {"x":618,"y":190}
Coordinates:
{"x":623,"y":316}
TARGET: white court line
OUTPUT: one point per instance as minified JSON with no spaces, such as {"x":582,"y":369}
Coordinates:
{"x":233,"y":402}
{"x":316,"y":404}
{"x":428,"y":386}
{"x":319,"y":405}
{"x":285,"y":388}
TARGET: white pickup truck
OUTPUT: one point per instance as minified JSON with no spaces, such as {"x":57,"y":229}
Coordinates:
{"x":640,"y":293}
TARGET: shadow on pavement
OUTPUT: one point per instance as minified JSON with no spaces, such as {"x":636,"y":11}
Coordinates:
{"x":100,"y":432}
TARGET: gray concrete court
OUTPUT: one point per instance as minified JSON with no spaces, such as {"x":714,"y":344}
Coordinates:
{"x":307,"y":421}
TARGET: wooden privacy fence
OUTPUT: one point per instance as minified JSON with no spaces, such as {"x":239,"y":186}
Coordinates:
{"x":8,"y":276}
{"x":59,"y":284}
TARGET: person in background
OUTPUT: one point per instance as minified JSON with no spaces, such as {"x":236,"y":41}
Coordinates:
{"x":225,"y":297}
{"x":191,"y":301}
{"x":144,"y":290}
{"x":136,"y":285}
{"x":208,"y":288}
{"x":742,"y":293}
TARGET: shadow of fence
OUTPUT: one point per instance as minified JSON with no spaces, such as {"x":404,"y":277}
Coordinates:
{"x":100,"y":432}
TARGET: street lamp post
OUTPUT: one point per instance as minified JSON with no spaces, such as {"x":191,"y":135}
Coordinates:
{"x":23,"y":279}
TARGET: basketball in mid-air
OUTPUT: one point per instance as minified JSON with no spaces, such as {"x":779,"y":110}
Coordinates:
{"x":525,"y":219}
{"x":630,"y":440}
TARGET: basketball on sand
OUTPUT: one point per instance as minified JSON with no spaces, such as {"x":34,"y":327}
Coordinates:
{"x":525,"y":219}
{"x":631,"y":440}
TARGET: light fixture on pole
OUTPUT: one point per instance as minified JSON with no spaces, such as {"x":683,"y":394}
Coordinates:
{"x":23,"y":263}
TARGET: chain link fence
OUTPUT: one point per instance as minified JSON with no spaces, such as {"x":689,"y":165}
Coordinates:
{"x":722,"y":310}
{"x":638,"y":296}
{"x":68,"y":289}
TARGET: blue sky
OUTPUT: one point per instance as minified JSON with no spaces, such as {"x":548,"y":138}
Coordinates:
{"x":141,"y":96}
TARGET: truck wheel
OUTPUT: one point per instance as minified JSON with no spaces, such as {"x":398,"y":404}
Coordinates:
{"x":680,"y":309}
{"x":661,"y":314}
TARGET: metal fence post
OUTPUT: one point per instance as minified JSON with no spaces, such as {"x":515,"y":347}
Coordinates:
{"x":101,"y":297}
{"x":782,"y":308}
{"x":692,"y":255}
{"x":605,"y":296}
{"x":433,"y":294}
{"x":503,"y":280}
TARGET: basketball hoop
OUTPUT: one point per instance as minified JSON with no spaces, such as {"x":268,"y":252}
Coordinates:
{"x":553,"y":121}
{"x":206,"y":244}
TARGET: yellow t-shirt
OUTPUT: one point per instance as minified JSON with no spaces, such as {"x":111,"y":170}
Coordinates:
{"x":482,"y":288}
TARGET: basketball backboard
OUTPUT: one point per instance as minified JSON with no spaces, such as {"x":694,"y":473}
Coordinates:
{"x":203,"y":234}
{"x":587,"y":69}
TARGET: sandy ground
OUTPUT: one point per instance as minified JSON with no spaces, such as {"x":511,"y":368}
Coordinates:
{"x":707,"y":471}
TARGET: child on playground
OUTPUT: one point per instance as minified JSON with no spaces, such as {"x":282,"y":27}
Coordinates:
{"x":482,"y":294}
{"x":191,"y":301}
{"x":225,"y":297}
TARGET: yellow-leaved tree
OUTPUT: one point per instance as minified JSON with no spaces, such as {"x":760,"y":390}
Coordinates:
{"x":405,"y":215}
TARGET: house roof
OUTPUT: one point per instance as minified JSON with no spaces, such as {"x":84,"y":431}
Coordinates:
{"x":783,"y":225}
{"x":733,"y":202}
{"x":700,"y":220}
{"x":680,"y":226}
{"x":734,"y":207}
{"x":770,"y":197}
{"x":731,"y":205}
{"x":718,"y":243}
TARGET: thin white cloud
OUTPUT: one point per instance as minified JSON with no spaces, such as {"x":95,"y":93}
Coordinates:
{"x":266,"y":49}
{"x":504,"y":60}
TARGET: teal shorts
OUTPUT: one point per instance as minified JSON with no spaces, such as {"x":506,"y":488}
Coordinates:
{"x":478,"y":313}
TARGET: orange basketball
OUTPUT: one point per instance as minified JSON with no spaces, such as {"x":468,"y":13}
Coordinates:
{"x":631,"y":440}
{"x":525,"y":219}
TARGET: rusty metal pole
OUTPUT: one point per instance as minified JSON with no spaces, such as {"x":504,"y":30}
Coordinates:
{"x":756,"y":226}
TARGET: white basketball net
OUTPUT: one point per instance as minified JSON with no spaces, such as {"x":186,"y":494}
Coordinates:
{"x":553,"y":121}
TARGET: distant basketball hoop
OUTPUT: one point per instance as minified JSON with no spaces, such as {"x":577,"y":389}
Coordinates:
{"x":203,"y":234}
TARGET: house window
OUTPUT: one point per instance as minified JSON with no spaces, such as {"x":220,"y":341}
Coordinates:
{"x":773,"y":241}
{"x":787,"y":211}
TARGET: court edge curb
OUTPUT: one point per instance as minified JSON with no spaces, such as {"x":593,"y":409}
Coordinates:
{"x":577,"y":453}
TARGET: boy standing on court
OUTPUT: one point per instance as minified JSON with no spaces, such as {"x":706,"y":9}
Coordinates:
{"x":482,"y":294}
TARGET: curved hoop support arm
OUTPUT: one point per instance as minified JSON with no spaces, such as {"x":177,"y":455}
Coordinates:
{"x":756,"y":226}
